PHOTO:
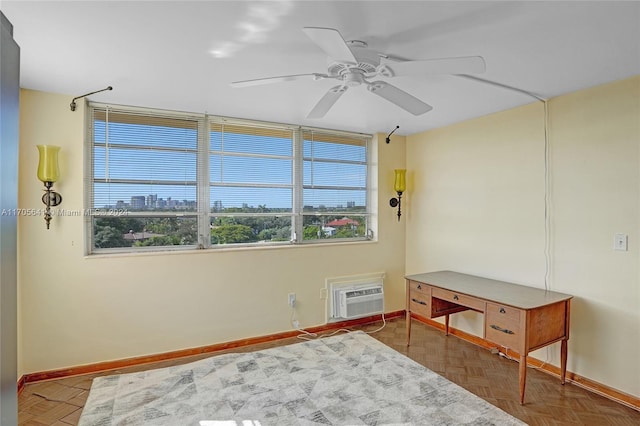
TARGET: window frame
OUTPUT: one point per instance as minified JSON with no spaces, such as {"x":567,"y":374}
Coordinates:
{"x":204,"y":183}
{"x":367,"y":188}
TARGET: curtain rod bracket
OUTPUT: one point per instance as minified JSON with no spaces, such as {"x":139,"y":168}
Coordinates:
{"x":73,"y":101}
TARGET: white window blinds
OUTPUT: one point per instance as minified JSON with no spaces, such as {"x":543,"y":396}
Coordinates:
{"x":250,"y":167}
{"x":144,"y":162}
{"x":334,"y":172}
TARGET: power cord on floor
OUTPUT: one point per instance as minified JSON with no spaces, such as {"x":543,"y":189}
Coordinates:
{"x":384,"y":323}
{"x":505,"y":354}
{"x":307,"y":335}
{"x":296,"y":325}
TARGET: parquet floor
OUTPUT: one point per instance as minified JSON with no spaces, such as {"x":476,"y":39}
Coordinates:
{"x":491,"y":377}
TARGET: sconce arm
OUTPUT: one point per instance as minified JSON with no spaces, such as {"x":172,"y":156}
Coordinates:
{"x":397,"y":202}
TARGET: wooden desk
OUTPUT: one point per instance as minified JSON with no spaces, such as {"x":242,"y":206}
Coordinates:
{"x":517,"y":317}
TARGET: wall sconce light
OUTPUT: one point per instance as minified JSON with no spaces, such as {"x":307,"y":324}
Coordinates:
{"x":48,"y":172}
{"x":400,"y":186}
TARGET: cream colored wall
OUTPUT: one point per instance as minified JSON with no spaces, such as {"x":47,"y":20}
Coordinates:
{"x":76,"y":310}
{"x":478,"y":208}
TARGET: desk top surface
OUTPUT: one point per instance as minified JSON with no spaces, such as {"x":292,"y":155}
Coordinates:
{"x":501,"y":292}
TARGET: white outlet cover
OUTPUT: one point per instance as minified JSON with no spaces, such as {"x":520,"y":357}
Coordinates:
{"x":620,"y":242}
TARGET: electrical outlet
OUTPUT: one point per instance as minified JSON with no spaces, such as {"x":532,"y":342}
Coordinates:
{"x":296,"y":324}
{"x":620,"y":242}
{"x":292,"y":300}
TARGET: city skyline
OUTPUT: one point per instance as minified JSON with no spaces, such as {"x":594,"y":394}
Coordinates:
{"x":152,"y":201}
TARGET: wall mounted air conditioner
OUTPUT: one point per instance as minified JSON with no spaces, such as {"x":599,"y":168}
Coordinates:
{"x":358,"y":301}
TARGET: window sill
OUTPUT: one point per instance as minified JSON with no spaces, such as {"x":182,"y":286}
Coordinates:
{"x":192,"y":251}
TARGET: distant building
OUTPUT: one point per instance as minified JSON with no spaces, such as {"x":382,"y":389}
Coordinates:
{"x":138,"y":202}
{"x":328,"y":231}
{"x":351,"y":204}
{"x":140,"y":236}
{"x":345,"y":221}
{"x":152,"y":200}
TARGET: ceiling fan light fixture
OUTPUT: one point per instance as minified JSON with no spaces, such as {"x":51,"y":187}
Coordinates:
{"x":353,"y":78}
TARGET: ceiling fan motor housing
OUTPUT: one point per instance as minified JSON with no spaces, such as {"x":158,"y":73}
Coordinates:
{"x":368,"y":62}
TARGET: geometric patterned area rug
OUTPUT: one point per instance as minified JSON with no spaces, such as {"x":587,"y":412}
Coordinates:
{"x":348,"y":379}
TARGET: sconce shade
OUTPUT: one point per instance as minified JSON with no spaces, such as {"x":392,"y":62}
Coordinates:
{"x":400,"y":184}
{"x":48,"y":170}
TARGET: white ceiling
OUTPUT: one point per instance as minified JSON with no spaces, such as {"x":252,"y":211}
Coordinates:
{"x":183,"y":55}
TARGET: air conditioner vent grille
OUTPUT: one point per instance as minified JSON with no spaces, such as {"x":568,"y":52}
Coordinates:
{"x":358,"y":301}
{"x":364,"y":292}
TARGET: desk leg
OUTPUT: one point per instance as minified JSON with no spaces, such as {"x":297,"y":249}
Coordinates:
{"x":446,"y":325}
{"x":408,"y":328}
{"x":523,"y":376}
{"x":563,"y":360}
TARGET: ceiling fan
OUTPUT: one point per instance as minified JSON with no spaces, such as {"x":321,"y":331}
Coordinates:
{"x":354,"y":64}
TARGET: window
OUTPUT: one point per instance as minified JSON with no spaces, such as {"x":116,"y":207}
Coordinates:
{"x":334,"y":186}
{"x":251,"y":184}
{"x":160,"y":180}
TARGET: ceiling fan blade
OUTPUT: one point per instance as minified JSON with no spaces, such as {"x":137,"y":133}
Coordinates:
{"x":399,"y":97}
{"x":393,"y":58}
{"x":279,"y":79}
{"x":327,"y":101}
{"x":332,"y":43}
{"x":461,"y":65}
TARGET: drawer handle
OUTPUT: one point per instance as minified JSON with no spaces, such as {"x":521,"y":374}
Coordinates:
{"x":502,"y":311}
{"x":419,"y":302}
{"x":419,"y":287}
{"x":504,"y":330}
{"x":455,"y":297}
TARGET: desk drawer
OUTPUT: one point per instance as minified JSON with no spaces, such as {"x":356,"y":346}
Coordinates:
{"x":420,"y":299}
{"x":504,"y":326}
{"x":415,"y":286}
{"x":420,"y":304}
{"x":458,"y":299}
